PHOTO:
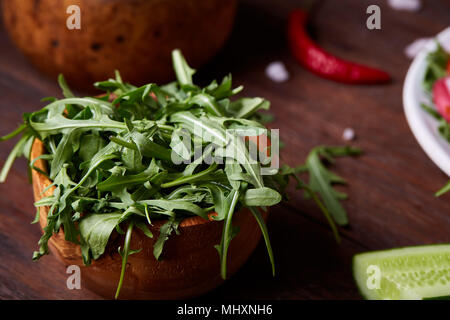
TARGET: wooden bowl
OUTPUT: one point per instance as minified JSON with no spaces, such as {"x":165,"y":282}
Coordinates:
{"x":135,"y":37}
{"x":190,"y":264}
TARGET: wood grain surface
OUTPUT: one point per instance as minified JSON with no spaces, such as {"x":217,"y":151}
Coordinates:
{"x":391,"y":186}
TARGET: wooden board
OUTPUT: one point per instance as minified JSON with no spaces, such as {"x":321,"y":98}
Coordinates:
{"x":391,"y":187}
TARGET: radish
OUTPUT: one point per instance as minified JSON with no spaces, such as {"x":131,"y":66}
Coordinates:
{"x":441,"y":97}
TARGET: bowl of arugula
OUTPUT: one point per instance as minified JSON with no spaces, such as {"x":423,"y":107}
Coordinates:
{"x":187,"y":267}
{"x":120,"y":192}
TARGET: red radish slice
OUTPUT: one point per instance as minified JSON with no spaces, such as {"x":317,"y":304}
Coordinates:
{"x":441,"y":97}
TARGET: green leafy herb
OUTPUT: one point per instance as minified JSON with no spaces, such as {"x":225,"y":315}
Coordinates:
{"x":261,"y":197}
{"x":64,"y":87}
{"x":125,"y":253}
{"x":164,"y":232}
{"x":322,"y":179}
{"x":95,"y":230}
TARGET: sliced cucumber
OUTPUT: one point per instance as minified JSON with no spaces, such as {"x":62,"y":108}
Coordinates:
{"x":421,"y":272}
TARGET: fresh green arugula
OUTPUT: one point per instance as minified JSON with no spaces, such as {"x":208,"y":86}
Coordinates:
{"x":112,"y":165}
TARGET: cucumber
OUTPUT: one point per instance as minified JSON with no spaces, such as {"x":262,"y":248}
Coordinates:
{"x":410,"y":273}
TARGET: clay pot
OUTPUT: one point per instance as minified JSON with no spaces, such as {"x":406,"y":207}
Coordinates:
{"x":190,"y":264}
{"x":135,"y":37}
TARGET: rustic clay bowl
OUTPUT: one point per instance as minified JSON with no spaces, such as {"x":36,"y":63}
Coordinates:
{"x":190,"y":264}
{"x":134,"y":36}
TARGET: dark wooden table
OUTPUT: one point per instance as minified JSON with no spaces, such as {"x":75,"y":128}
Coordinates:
{"x":391,"y":187}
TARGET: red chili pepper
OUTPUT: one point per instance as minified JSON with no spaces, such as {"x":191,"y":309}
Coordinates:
{"x":324,"y":64}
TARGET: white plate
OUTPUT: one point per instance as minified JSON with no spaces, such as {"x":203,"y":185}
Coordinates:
{"x":424,"y":126}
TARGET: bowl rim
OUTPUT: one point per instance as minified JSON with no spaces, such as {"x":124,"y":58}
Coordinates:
{"x":422,"y":126}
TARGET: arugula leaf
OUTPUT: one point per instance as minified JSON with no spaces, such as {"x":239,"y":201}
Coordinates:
{"x":164,"y":232}
{"x":224,"y":90}
{"x":114,"y":85}
{"x":170,"y":206}
{"x":261,"y":197}
{"x":90,"y":145}
{"x":182,"y":70}
{"x":15,"y":133}
{"x":202,"y":127}
{"x":149,"y":148}
{"x":120,"y":181}
{"x":65,"y":88}
{"x":248,"y":106}
{"x":144,"y":228}
{"x":191,"y":178}
{"x":16,"y":152}
{"x":228,"y":232}
{"x":218,"y":194}
{"x":95,"y":229}
{"x":208,"y":102}
{"x":125,"y":253}
{"x":265,"y":233}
